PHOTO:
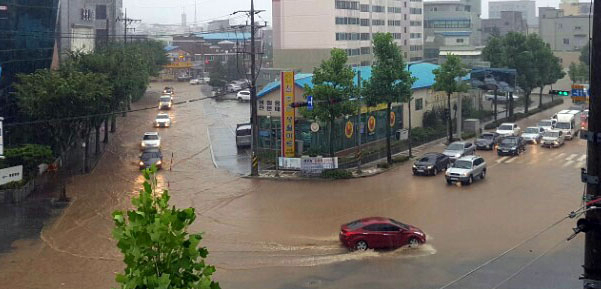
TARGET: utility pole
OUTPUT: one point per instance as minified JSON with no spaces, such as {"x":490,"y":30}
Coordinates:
{"x":592,"y":243}
{"x":254,"y":119}
{"x":126,"y":21}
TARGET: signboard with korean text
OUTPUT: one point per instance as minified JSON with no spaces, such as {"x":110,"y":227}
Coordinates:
{"x":579,"y":93}
{"x":287,"y":92}
{"x":12,"y":174}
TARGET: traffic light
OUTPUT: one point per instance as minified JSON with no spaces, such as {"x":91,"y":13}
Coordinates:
{"x":559,"y":92}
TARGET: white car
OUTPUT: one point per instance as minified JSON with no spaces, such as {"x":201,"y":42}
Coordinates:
{"x":165,"y":102}
{"x":509,"y":129}
{"x":500,"y":98}
{"x":547,"y":124}
{"x":533,"y":134}
{"x":162,"y":120}
{"x":242,"y":83}
{"x":243,"y":95}
{"x":194,"y":81}
{"x":150,"y":140}
{"x":233,"y":87}
{"x":466,"y":169}
{"x":553,"y":138}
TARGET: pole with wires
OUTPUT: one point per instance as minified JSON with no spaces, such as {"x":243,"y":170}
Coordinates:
{"x":592,"y":245}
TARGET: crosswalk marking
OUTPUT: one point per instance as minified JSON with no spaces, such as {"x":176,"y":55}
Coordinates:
{"x":571,"y":157}
{"x":579,"y":165}
{"x":554,"y":154}
{"x":510,"y":160}
{"x":500,"y":160}
{"x":582,"y":158}
{"x":566,"y":164}
{"x":559,"y":156}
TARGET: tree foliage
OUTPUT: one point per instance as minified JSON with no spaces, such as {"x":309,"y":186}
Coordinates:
{"x":532,"y":58}
{"x":158,"y":251}
{"x":28,"y":155}
{"x":585,"y":56}
{"x":218,"y":75}
{"x":333,"y":86}
{"x":447,"y":78}
{"x":390,"y":81}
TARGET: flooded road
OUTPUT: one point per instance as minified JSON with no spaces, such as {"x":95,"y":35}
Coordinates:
{"x":284,"y":234}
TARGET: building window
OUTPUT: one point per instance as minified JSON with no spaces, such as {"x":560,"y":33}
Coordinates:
{"x":397,"y":35}
{"x":405,"y":29}
{"x":350,"y":5}
{"x":364,"y":22}
{"x":378,"y":22}
{"x":269,"y":106}
{"x":101,"y":12}
{"x":364,"y":36}
{"x":87,"y":15}
{"x":352,"y":52}
{"x":377,"y":8}
{"x":347,"y":21}
{"x":466,"y":23}
{"x":566,"y":41}
{"x":459,"y":40}
{"x":365,"y":63}
{"x":365,"y":50}
{"x":394,"y":22}
{"x":364,"y":8}
{"x":276,"y":106}
{"x":405,"y":17}
{"x":577,"y":28}
{"x":419,"y":104}
{"x":405,"y":4}
{"x":415,"y":23}
{"x":415,"y":35}
{"x":394,"y":10}
{"x":341,"y":36}
{"x":261,"y":104}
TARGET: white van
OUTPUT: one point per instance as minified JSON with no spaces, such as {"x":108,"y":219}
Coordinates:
{"x":243,"y":135}
{"x":568,"y":121}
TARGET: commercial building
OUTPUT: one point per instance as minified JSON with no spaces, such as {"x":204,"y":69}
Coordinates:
{"x":304,"y":31}
{"x":86,"y":24}
{"x":508,"y":21}
{"x":527,"y":7}
{"x":576,"y":8}
{"x":561,"y":32}
{"x":444,"y":19}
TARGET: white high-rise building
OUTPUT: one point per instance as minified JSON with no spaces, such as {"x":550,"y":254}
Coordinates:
{"x":304,"y":31}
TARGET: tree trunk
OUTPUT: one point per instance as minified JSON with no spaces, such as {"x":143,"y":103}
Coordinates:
{"x":113,"y":122}
{"x":97,"y":131}
{"x":551,"y":94}
{"x":540,"y":97}
{"x":106,"y":130}
{"x":388,"y":150}
{"x":449,"y":119}
{"x":526,"y":102}
{"x":331,"y":136}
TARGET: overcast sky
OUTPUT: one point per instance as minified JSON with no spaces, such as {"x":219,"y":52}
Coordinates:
{"x":169,"y":11}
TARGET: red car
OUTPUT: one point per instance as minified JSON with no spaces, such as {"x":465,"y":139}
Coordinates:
{"x":379,"y":233}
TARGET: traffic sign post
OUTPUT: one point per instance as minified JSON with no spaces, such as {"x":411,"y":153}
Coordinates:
{"x":309,"y":102}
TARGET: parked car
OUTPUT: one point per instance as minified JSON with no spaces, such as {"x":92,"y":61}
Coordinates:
{"x":162,"y":120}
{"x":165,"y":102}
{"x":431,"y":164}
{"x":511,"y":145}
{"x":232,"y":87}
{"x":509,"y":129}
{"x":183,"y":77}
{"x":150,"y":140}
{"x":195,"y":81}
{"x":458,"y":149}
{"x":533,"y":134}
{"x":547,"y":124}
{"x":553,"y":138}
{"x":243,"y":135}
{"x":500,"y":98}
{"x":242,"y":83}
{"x":487,"y":141}
{"x":380,"y":233}
{"x":466,"y":169}
{"x":151,"y":157}
{"x":243,"y":95}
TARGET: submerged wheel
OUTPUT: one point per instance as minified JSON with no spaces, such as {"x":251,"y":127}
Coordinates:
{"x":361,"y":246}
{"x":414,"y":243}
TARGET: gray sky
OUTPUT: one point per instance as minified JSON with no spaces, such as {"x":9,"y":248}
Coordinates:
{"x":169,"y":11}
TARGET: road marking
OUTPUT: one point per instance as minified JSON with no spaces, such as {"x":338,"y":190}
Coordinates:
{"x":211,"y":149}
{"x":500,"y":160}
{"x":510,"y":160}
{"x":559,"y":156}
{"x":579,"y":165}
{"x":554,"y":154}
{"x":571,"y":157}
{"x":567,"y":163}
{"x":582,"y":158}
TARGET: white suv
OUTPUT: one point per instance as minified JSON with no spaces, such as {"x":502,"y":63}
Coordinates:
{"x":466,"y":169}
{"x":243,"y":95}
{"x":150,"y":140}
{"x":509,"y":129}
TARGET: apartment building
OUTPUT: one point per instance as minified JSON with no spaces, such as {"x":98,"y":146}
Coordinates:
{"x":304,"y":31}
{"x":526,"y":7}
{"x":561,"y":32}
{"x":508,"y":21}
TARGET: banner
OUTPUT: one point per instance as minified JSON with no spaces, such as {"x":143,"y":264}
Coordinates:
{"x":12,"y":174}
{"x":287,"y":92}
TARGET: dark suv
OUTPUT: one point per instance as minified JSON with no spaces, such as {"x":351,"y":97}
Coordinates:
{"x":431,"y":164}
{"x":511,"y":145}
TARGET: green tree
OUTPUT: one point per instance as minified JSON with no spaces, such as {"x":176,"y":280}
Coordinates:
{"x":390,"y":81}
{"x":235,"y":69}
{"x":158,"y":251}
{"x":585,"y":56}
{"x":447,"y":78}
{"x":574,"y":72}
{"x":494,"y":52}
{"x":332,"y":88}
{"x":218,"y":75}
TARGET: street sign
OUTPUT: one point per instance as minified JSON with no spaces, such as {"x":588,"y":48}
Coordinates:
{"x":12,"y":174}
{"x":309,"y":102}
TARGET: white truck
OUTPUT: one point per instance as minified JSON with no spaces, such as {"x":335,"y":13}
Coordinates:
{"x":568,"y":121}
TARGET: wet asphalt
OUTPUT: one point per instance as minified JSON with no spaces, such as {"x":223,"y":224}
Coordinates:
{"x":283,"y":234}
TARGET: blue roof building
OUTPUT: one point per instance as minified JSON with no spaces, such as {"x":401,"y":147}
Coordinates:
{"x":220,"y":36}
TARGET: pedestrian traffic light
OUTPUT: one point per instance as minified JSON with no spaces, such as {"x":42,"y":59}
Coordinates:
{"x":559,"y":92}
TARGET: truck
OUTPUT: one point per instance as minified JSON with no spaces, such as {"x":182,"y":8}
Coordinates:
{"x":568,"y":121}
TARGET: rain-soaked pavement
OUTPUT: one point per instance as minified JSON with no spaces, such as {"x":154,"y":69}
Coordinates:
{"x":283,"y":234}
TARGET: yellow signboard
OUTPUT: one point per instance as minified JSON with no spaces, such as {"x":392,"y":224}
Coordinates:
{"x":365,"y":109}
{"x":287,"y":92}
{"x":179,"y":64}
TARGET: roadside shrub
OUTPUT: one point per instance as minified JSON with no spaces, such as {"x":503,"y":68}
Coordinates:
{"x":13,"y":185}
{"x":336,"y":174}
{"x":383,"y":165}
{"x":30,"y":156}
{"x":400,"y":159}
